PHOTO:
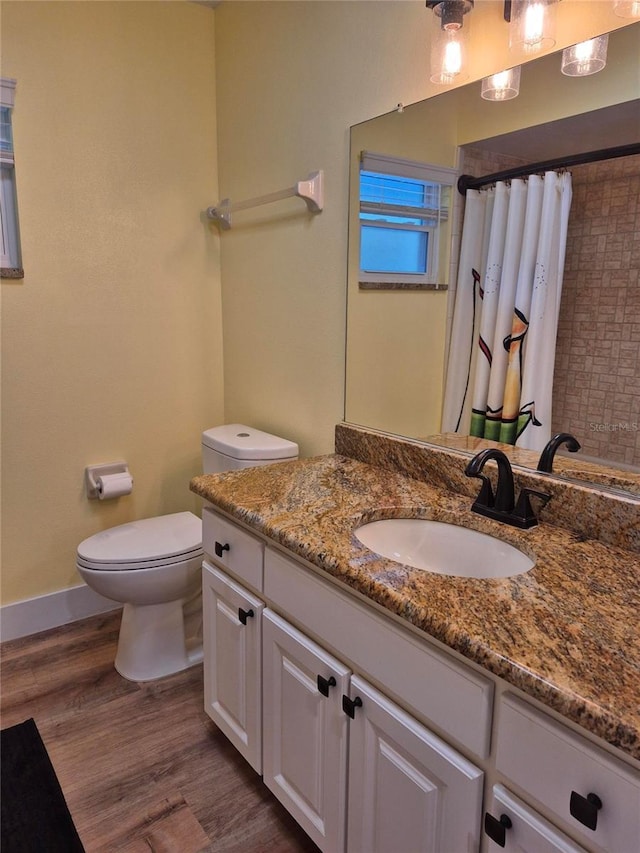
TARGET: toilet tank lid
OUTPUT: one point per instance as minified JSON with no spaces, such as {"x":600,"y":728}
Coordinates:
{"x":243,"y":442}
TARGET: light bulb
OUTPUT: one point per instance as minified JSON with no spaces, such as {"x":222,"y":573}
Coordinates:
{"x":449,"y":40}
{"x":452,"y":58}
{"x":448,"y":57}
{"x":532,"y":25}
{"x":585,"y":58}
{"x":501,"y":86}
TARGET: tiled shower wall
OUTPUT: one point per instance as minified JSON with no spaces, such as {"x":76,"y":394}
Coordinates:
{"x":596,"y":392}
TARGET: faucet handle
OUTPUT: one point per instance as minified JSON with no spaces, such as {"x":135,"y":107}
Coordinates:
{"x":524,"y":510}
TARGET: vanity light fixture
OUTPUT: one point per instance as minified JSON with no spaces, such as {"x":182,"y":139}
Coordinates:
{"x":532,"y":24}
{"x":449,"y":40}
{"x":627,"y":8}
{"x":585,"y":58}
{"x":502,"y":86}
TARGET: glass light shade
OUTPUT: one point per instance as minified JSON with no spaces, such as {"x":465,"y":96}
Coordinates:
{"x":585,"y":58}
{"x":449,"y":55}
{"x":627,"y":8}
{"x":502,"y":86}
{"x":533,"y":25}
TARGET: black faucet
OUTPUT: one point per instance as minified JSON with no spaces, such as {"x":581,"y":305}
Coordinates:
{"x":502,"y":505}
{"x":545,"y":463}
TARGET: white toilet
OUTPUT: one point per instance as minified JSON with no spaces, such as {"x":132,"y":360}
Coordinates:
{"x":153,"y":566}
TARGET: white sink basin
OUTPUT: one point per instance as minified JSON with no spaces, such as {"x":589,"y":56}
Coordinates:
{"x":446,"y":549}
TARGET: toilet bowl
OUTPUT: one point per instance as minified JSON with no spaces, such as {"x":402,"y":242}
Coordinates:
{"x":153,"y":566}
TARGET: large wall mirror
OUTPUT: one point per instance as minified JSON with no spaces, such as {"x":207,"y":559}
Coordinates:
{"x":397,"y":336}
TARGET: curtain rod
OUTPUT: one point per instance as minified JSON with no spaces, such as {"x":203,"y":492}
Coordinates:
{"x":468,"y":182}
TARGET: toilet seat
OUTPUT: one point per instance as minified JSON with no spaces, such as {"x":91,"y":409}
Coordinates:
{"x":144,"y":544}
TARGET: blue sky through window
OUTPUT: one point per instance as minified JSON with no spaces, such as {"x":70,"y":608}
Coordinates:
{"x":390,"y":250}
{"x":393,"y":244}
{"x":391,"y":189}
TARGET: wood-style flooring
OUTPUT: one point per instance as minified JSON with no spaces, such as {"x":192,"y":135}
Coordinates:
{"x":142,"y":767}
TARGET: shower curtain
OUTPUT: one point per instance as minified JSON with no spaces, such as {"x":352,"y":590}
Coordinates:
{"x":503,"y":336}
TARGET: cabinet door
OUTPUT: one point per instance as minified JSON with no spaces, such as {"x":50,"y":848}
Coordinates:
{"x":232,"y":657}
{"x":305,"y":731}
{"x":409,"y":791}
{"x":522,"y":830}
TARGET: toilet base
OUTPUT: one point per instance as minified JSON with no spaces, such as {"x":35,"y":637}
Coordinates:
{"x":152,"y":642}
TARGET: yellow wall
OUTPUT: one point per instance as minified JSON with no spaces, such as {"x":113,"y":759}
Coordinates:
{"x":112,"y":342}
{"x":292,"y":78}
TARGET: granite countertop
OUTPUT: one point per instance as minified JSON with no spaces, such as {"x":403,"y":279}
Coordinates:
{"x":566,"y":632}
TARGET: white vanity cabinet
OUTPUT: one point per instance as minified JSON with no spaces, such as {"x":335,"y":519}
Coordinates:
{"x":232,"y":640}
{"x":232,"y":633}
{"x":377,"y":740}
{"x":305,"y":730}
{"x":514,"y":827}
{"x":233,"y":549}
{"x":406,"y":790}
{"x":584,"y":788}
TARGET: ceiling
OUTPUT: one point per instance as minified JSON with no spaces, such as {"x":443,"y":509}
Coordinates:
{"x":605,"y":128}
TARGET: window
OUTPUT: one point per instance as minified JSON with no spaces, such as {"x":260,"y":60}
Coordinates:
{"x":404,"y":213}
{"x":10,"y":259}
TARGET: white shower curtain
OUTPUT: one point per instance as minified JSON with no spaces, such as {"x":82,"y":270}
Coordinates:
{"x":503,"y":337}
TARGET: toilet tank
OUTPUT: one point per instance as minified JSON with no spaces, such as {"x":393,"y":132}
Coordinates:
{"x":232,"y":446}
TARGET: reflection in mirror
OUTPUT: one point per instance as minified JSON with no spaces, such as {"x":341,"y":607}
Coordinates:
{"x":396,"y":341}
{"x":405,"y":223}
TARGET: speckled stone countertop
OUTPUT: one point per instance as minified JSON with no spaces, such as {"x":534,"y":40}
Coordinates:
{"x":565,"y":632}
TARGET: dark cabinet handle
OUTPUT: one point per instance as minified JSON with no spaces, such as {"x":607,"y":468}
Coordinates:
{"x":585,"y":809}
{"x":349,"y":706}
{"x":243,"y":615}
{"x":219,"y":548}
{"x":497,"y":829}
{"x":325,"y":683}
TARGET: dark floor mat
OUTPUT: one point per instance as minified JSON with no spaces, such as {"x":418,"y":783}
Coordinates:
{"x":34,"y":816}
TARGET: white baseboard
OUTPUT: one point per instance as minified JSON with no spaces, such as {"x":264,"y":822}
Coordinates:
{"x":33,"y":615}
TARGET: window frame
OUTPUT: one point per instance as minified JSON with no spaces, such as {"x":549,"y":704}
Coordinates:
{"x":10,"y":250}
{"x":384,"y":164}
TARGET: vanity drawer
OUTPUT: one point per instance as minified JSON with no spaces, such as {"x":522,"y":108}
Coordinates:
{"x":550,"y":762}
{"x":528,"y":832}
{"x":232,"y":548}
{"x":429,"y":683}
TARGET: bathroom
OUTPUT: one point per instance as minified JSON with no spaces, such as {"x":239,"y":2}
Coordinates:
{"x":137,"y":325}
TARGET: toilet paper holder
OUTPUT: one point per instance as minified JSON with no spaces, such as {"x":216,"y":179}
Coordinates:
{"x":92,"y":472}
